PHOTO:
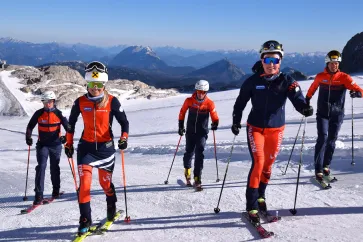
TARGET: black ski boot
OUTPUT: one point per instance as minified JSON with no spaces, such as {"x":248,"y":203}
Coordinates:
{"x":84,"y":225}
{"x":253,"y":216}
{"x":55,"y":193}
{"x":38,"y":199}
{"x":111,"y":204}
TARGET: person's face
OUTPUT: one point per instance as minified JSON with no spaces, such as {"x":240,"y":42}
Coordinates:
{"x":95,"y":88}
{"x":201,"y":94}
{"x":333,"y":66}
{"x":271,"y":63}
{"x":48,"y":104}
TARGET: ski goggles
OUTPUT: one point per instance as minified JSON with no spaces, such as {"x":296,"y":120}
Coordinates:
{"x":48,"y":101}
{"x":95,"y":84}
{"x":96,"y":65}
{"x":273,"y":60}
{"x":201,"y":92}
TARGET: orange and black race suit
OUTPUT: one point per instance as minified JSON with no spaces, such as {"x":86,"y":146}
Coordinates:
{"x":330,"y":113}
{"x":265,"y":125}
{"x":96,"y":145}
{"x":48,"y":145}
{"x":197,"y":130}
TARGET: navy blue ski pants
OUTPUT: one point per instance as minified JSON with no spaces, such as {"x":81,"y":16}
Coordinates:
{"x":195,"y":143}
{"x":54,"y":153}
{"x":328,"y":129}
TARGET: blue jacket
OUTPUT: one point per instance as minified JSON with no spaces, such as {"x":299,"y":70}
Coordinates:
{"x":268,"y":100}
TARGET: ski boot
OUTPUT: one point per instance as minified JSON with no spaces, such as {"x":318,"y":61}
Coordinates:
{"x":55,"y":193}
{"x":262,"y":207}
{"x":38,"y":199}
{"x":254,"y":217}
{"x":84,"y":225}
{"x":327,"y":176}
{"x":187,"y":172}
{"x":111,"y":204}
{"x":198,"y":184}
{"x":320,"y":180}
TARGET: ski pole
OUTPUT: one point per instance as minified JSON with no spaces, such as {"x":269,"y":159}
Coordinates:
{"x":71,"y":165}
{"x":293,"y":211}
{"x":217,"y":210}
{"x":167,"y":179}
{"x":215,"y":154}
{"x":25,"y":198}
{"x":293,"y":147}
{"x":127,"y":218}
{"x":352,"y":163}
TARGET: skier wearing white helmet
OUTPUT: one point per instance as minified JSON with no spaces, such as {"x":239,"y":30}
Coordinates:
{"x":49,"y":120}
{"x":200,"y":107}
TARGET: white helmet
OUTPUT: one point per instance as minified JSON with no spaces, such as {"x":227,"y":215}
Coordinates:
{"x":96,"y":72}
{"x":202,"y":85}
{"x":48,"y":95}
{"x":333,"y":56}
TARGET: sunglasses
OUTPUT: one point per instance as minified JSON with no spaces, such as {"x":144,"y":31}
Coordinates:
{"x":273,"y":60}
{"x":95,"y":84}
{"x":201,"y":92}
{"x":96,"y":65}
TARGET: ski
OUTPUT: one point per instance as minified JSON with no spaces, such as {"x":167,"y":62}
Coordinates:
{"x":45,"y":201}
{"x":259,"y":228}
{"x":108,"y":223}
{"x":330,"y":178}
{"x":91,"y":230}
{"x":323,"y":184}
{"x":269,"y":217}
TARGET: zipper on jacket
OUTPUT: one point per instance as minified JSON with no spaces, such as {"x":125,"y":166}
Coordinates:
{"x":196,"y":119}
{"x":331,"y":78}
{"x":94,"y":123}
{"x":264,"y":116}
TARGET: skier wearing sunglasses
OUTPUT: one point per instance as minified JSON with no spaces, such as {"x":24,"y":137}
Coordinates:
{"x":96,"y":146}
{"x":268,"y":90}
{"x":199,"y":107}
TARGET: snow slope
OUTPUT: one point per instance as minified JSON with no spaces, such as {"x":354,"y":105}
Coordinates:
{"x":172,"y":212}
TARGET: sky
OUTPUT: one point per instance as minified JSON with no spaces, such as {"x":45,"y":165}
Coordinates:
{"x":301,"y":26}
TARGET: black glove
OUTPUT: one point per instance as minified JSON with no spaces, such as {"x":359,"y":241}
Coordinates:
{"x":257,"y":67}
{"x":63,"y":139}
{"x":122,"y":143}
{"x":308,"y":111}
{"x":235,"y":128}
{"x":214,"y":126}
{"x":307,"y":100}
{"x":355,"y":94}
{"x":29,"y":141}
{"x":69,"y":150}
{"x":181,"y":130}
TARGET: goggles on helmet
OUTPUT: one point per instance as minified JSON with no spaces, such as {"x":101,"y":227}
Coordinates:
{"x":95,"y":84}
{"x":96,"y":65}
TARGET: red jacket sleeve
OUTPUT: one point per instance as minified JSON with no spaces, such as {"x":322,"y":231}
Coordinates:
{"x":313,"y":87}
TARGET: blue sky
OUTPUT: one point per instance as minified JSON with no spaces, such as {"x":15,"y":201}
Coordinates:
{"x":301,"y":26}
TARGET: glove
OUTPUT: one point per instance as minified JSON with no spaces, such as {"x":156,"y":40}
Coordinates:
{"x":235,"y":128}
{"x":308,"y":111}
{"x":181,"y":130}
{"x":69,"y":150}
{"x":214,"y":126}
{"x":257,"y":67}
{"x":63,"y":139}
{"x":29,"y":141}
{"x":307,"y":100}
{"x":354,"y":94}
{"x":122,"y":143}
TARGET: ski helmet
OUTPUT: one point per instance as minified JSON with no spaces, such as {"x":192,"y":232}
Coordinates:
{"x":48,"y":95}
{"x":271,"y":46}
{"x":333,"y":55}
{"x":96,"y":72}
{"x":202,"y":85}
